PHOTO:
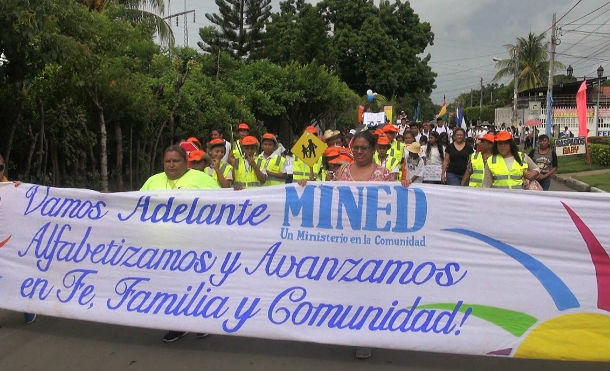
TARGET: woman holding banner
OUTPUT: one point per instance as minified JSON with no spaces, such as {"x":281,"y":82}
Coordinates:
{"x":176,"y":175}
{"x":364,"y":167}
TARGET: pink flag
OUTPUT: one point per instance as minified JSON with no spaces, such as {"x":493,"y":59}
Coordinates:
{"x":581,"y":109}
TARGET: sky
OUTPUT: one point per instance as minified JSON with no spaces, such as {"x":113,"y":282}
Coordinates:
{"x":468,"y":34}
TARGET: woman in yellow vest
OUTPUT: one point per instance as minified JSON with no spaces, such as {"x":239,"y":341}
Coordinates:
{"x":248,"y":173}
{"x":175,"y":176}
{"x":382,"y":157}
{"x":274,"y":164}
{"x":507,"y":167}
{"x":475,"y":170}
{"x":221,"y":171}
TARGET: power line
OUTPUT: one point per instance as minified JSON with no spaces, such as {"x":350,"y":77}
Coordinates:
{"x":580,"y":56}
{"x":564,"y":14}
{"x":589,"y":32}
{"x":591,"y":12}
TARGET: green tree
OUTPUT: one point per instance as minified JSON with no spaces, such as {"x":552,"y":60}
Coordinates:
{"x":533,"y":67}
{"x":240,"y":23}
{"x":135,"y":11}
{"x":298,"y":33}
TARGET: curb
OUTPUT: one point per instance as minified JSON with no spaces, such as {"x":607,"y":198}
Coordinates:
{"x":576,"y":184}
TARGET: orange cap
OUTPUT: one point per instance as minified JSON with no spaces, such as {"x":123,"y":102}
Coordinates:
{"x":270,"y":136}
{"x":342,"y":158}
{"x":332,"y":151}
{"x":249,"y":141}
{"x":194,"y":141}
{"x":243,"y":126}
{"x":488,"y":137}
{"x":389,"y":128}
{"x":383,"y":141}
{"x":378,"y":132}
{"x":503,"y":136}
{"x":312,"y":130}
{"x":217,"y":142}
{"x":196,"y":155}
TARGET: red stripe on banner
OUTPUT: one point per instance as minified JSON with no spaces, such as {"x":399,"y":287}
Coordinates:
{"x":600,"y":258}
{"x":5,"y":241}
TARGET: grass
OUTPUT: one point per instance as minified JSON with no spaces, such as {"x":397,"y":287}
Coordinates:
{"x":574,"y":164}
{"x":601,"y":181}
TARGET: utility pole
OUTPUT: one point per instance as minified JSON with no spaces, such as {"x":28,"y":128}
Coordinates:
{"x":549,"y":91}
{"x":470,"y":97}
{"x":481,"y":100}
{"x":185,"y":26}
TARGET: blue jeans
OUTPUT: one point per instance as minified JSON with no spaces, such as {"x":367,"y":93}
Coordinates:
{"x":546,"y":184}
{"x":454,"y":179}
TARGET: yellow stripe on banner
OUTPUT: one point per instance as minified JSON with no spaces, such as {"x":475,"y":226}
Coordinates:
{"x":574,"y":337}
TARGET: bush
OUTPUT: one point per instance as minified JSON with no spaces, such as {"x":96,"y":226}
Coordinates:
{"x":600,"y":140}
{"x":600,"y":154}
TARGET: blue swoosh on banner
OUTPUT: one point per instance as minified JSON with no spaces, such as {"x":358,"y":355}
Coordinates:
{"x":559,"y":291}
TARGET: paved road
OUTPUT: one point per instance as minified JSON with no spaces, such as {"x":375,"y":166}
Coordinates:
{"x":558,"y":186}
{"x":62,"y":344}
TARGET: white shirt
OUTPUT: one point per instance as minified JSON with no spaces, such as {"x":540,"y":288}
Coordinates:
{"x":415,"y":168}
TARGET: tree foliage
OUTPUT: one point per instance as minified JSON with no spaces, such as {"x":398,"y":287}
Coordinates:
{"x":533,"y":67}
{"x":94,"y":101}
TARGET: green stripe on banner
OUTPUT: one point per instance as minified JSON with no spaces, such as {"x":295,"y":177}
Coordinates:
{"x":514,"y":322}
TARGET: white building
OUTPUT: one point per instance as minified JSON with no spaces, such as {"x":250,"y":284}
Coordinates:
{"x":531,"y":104}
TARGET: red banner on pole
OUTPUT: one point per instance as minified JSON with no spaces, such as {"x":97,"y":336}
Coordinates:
{"x":581,"y":109}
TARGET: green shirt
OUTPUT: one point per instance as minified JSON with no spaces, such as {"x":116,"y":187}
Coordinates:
{"x":192,"y":179}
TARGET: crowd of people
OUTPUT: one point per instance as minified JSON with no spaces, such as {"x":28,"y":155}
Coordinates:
{"x":408,"y":152}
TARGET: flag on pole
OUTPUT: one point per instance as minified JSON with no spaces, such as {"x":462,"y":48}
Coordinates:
{"x":581,"y":109}
{"x":443,"y":112}
{"x":417,"y":110}
{"x":459,"y":115}
{"x":549,"y":115}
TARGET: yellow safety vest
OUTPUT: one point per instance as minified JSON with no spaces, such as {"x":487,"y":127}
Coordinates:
{"x":237,"y":151}
{"x":390,"y":164}
{"x":243,"y":178}
{"x":300,"y":170}
{"x":224,"y":168}
{"x":397,"y":150}
{"x":478,"y":170}
{"x":274,"y":164}
{"x":502,"y":178}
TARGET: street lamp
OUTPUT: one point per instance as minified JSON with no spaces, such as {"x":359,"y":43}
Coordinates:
{"x":570,"y":70}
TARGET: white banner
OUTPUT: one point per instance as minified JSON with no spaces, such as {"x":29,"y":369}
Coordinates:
{"x":521,"y":274}
{"x":373,"y":118}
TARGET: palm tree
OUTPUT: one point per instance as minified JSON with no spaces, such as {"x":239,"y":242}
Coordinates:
{"x":533,"y":66}
{"x":135,"y":12}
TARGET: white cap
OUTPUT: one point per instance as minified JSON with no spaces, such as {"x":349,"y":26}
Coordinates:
{"x":352,"y":131}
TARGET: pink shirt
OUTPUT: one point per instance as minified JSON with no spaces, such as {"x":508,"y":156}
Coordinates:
{"x":380,"y":174}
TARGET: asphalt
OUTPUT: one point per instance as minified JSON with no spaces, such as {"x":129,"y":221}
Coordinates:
{"x":568,"y":180}
{"x":62,"y":344}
